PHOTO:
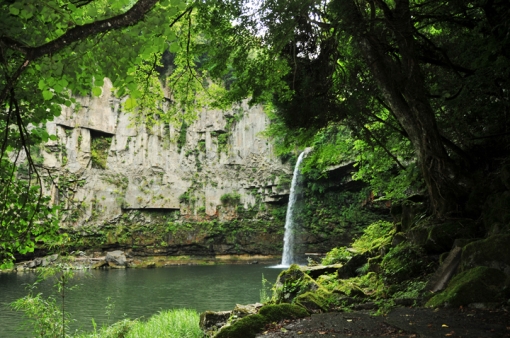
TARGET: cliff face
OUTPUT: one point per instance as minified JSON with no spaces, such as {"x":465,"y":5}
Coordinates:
{"x":108,"y":164}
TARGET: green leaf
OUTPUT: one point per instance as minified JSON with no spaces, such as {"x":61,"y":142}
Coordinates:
{"x":26,"y":14}
{"x":41,"y":84}
{"x":14,"y":11}
{"x":130,"y":103}
{"x":174,"y":47}
{"x":63,"y":82}
{"x":96,"y":91}
{"x":47,"y":95}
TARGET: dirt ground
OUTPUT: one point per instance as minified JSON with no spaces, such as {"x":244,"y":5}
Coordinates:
{"x":401,"y":322}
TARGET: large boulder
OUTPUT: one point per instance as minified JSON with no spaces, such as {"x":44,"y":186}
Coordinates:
{"x":211,"y":321}
{"x":493,"y":252}
{"x":439,"y":238}
{"x":241,"y":311}
{"x":293,"y":282}
{"x":116,"y":259}
{"x":477,"y":285}
{"x":350,"y":269}
{"x":496,"y":213}
{"x":319,"y":270}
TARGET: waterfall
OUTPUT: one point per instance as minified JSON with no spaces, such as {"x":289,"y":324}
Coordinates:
{"x":288,"y":239}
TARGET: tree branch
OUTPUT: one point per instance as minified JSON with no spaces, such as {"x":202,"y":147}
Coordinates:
{"x":77,"y":33}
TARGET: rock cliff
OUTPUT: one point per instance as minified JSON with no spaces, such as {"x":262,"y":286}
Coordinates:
{"x":109,"y":170}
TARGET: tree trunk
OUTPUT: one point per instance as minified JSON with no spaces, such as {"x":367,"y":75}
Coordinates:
{"x":403,"y":87}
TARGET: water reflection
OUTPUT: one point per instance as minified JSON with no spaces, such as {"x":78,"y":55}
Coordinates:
{"x":142,"y":292}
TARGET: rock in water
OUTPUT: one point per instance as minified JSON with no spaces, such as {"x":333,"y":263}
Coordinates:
{"x":116,"y":259}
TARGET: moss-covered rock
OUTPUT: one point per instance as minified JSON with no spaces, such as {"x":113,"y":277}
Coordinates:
{"x":403,"y":262}
{"x":409,"y":212}
{"x":492,"y":252}
{"x":277,"y":312}
{"x":246,"y":327}
{"x":439,"y":238}
{"x":477,"y":285}
{"x":496,"y":213}
{"x":211,"y":321}
{"x":291,"y":283}
{"x":313,"y":301}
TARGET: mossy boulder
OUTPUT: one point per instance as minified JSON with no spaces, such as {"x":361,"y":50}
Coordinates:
{"x":496,"y":213}
{"x":407,"y":213}
{"x":246,"y":327}
{"x":211,"y":321}
{"x":278,"y":312}
{"x":250,"y":325}
{"x":403,"y":262}
{"x":439,"y":238}
{"x":313,"y":302}
{"x":293,"y":282}
{"x":493,"y":252}
{"x":477,"y":285}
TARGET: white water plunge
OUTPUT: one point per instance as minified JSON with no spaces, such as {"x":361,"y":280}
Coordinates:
{"x":288,"y":239}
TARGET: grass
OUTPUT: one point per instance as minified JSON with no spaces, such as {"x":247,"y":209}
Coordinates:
{"x":178,"y":323}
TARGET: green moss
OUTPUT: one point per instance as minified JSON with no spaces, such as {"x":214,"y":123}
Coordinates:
{"x":480,"y":284}
{"x":402,"y":262}
{"x":278,"y":312}
{"x":99,"y":148}
{"x":181,"y":141}
{"x":291,"y":283}
{"x":246,"y":327}
{"x":375,"y":236}
{"x":232,"y":198}
{"x":496,"y":213}
{"x":493,"y":251}
{"x":313,"y":301}
{"x":337,"y":255}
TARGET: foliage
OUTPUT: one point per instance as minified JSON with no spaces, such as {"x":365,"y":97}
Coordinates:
{"x":479,"y":284}
{"x":26,"y":218}
{"x":375,"y":236}
{"x":403,"y":262}
{"x":265,"y":290}
{"x":181,"y":141}
{"x":184,"y":198}
{"x":44,"y":314}
{"x":345,"y":71}
{"x":336,"y":255}
{"x":231,"y":198}
{"x":170,"y":323}
{"x":329,"y":211}
{"x":99,"y":148}
{"x":47,"y":315}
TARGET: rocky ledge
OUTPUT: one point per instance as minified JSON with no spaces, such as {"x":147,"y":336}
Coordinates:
{"x":118,"y":259}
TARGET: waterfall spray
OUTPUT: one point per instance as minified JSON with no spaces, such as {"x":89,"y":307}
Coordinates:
{"x":288,"y":239}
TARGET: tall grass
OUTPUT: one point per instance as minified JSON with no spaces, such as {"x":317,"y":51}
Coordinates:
{"x":178,"y":323}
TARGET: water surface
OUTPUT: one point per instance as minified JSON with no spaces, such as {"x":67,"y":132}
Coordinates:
{"x":139,"y":293}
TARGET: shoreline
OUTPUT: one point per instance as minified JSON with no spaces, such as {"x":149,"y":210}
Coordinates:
{"x":82,"y":261}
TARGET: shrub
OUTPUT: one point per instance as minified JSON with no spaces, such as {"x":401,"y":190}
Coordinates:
{"x":403,"y":262}
{"x":337,"y":255}
{"x":375,"y":236}
{"x":184,"y":198}
{"x":172,"y":323}
{"x":232,"y":198}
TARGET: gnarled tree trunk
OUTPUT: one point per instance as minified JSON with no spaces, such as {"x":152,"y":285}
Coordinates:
{"x":401,"y":82}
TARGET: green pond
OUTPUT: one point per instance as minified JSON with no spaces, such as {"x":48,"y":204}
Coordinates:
{"x":139,"y":293}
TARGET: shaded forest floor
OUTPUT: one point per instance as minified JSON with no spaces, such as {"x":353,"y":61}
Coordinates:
{"x":400,"y":322}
